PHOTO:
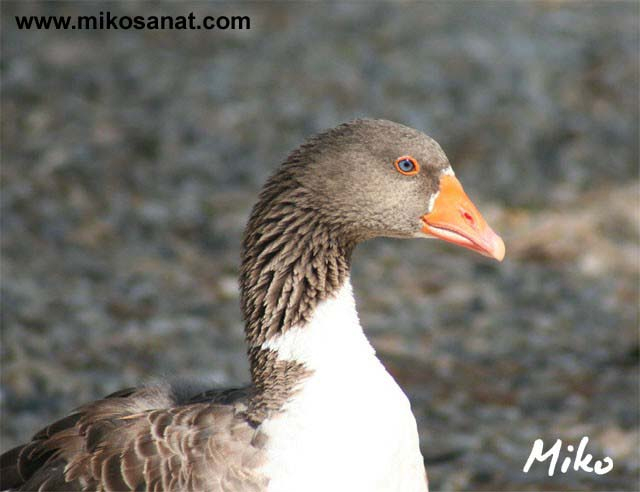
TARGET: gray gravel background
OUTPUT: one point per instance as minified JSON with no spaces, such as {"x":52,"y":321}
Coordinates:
{"x":130,"y":160}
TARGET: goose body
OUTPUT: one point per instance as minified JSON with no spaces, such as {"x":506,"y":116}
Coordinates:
{"x":322,"y":413}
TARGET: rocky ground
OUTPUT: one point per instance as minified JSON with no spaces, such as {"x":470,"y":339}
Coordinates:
{"x":130,"y":160}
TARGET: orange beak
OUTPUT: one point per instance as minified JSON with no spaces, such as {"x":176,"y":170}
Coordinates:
{"x":456,"y":219}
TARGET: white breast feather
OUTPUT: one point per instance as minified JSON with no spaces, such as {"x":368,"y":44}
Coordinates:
{"x":350,"y":426}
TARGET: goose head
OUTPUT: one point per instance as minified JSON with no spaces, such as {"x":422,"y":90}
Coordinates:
{"x":371,"y":178}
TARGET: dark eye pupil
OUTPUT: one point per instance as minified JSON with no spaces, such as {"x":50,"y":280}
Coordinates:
{"x":406,"y":165}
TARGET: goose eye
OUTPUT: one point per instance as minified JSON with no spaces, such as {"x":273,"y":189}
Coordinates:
{"x":407,"y":165}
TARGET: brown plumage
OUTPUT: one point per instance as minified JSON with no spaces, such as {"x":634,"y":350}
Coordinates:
{"x":144,"y":439}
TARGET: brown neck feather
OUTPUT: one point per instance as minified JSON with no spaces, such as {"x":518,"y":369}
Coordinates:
{"x":290,"y":262}
{"x":293,"y":257}
{"x":295,"y":253}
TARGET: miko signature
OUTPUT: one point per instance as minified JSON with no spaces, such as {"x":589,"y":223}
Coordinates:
{"x":581,"y":461}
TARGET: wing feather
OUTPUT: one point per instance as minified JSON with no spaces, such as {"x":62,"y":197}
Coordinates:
{"x":144,"y":439}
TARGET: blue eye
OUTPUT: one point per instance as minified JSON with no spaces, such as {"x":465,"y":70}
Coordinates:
{"x":407,"y":165}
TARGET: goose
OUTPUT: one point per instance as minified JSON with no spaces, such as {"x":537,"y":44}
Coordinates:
{"x":322,"y":413}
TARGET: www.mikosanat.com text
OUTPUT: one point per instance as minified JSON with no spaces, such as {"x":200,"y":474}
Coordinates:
{"x":107,"y":20}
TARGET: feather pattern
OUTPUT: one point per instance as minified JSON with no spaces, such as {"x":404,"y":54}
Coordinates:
{"x":144,"y":439}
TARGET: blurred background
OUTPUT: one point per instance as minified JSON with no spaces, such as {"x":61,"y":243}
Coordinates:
{"x":130,"y":161}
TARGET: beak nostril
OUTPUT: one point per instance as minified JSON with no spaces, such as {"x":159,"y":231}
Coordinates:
{"x":468,"y":217}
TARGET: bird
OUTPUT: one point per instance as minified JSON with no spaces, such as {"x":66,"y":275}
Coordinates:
{"x":321,"y":412}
